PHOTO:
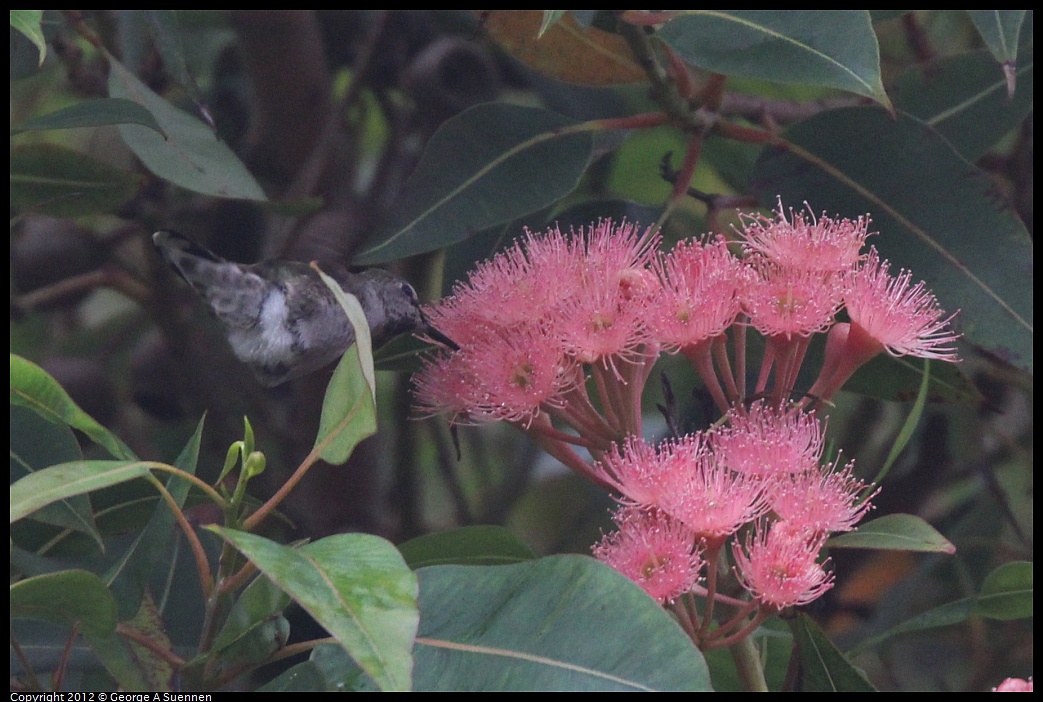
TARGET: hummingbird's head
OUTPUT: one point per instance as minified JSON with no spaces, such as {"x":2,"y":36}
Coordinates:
{"x":392,"y":306}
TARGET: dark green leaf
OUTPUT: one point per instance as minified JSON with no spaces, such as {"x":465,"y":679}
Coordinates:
{"x":133,"y":666}
{"x":937,"y":215}
{"x":329,"y":668}
{"x":1000,"y":29}
{"x":255,"y":628}
{"x":965,"y":99}
{"x":356,"y":586}
{"x":895,"y":532}
{"x":37,"y":444}
{"x":92,"y":113}
{"x":561,"y":623}
{"x":191,"y":156}
{"x":476,"y":545}
{"x":129,"y":576}
{"x":489,"y":165}
{"x":896,"y":380}
{"x":1007,"y":592}
{"x":824,"y":666}
{"x":303,"y":677}
{"x":32,"y":387}
{"x":946,"y":615}
{"x":71,"y":597}
{"x":831,"y":48}
{"x":50,"y":179}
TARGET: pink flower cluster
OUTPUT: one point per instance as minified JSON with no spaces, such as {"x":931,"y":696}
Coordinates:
{"x":558,"y":336}
{"x":760,"y":473}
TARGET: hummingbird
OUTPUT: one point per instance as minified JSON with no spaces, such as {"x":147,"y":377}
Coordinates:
{"x":280,"y":318}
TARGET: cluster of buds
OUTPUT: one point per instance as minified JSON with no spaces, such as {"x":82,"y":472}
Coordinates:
{"x":558,"y":336}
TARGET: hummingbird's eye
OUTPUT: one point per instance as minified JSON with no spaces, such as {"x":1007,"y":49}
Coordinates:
{"x":410,"y":292}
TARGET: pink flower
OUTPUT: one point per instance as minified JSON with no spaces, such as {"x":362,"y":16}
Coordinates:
{"x":822,"y":245}
{"x":710,"y":499}
{"x":766,"y":440}
{"x":1014,"y":685}
{"x":611,"y":253}
{"x":696,"y":296}
{"x":599,"y":326}
{"x":518,"y":286}
{"x":639,"y":472}
{"x":787,"y":302}
{"x":887,"y":314}
{"x":781,"y":569}
{"x":820,"y":500}
{"x":904,"y":319}
{"x":506,"y":375}
{"x":655,"y":551}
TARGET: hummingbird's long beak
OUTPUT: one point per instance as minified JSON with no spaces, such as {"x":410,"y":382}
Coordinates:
{"x":436,"y":335}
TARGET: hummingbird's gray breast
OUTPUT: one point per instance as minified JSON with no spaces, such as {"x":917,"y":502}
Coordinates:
{"x":300,"y":328}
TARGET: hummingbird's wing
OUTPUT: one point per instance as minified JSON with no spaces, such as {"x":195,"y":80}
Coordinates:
{"x":233,"y":292}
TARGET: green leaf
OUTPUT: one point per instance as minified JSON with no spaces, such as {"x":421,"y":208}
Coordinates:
{"x":908,"y":429}
{"x":824,"y":666}
{"x":164,"y":36}
{"x":964,"y":98}
{"x":349,"y":408}
{"x":1000,"y":30}
{"x":550,"y":18}
{"x":831,"y":48}
{"x":937,"y":215}
{"x":303,"y":677}
{"x":92,"y":113}
{"x":255,"y":628}
{"x":561,"y":623}
{"x":50,"y":179}
{"x":70,"y":597}
{"x":63,"y":481}
{"x":135,"y":667}
{"x":37,"y":444}
{"x":356,"y":586}
{"x":29,"y":23}
{"x":948,"y":614}
{"x":896,"y":380}
{"x":474,"y":545}
{"x":401,"y":354}
{"x":895,"y":532}
{"x":129,"y":575}
{"x":1007,"y":592}
{"x":32,"y":387}
{"x":191,"y":156}
{"x":488,"y":165}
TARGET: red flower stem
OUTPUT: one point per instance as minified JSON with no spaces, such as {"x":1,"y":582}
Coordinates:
{"x":766,"y":363}
{"x":607,"y":403}
{"x":741,"y":633}
{"x":713,"y":553}
{"x":720,"y":353}
{"x":582,"y":417}
{"x":565,"y":454}
{"x":739,"y":338}
{"x":699,"y":357}
{"x":553,"y":434}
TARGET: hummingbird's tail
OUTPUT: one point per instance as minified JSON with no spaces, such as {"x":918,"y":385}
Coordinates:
{"x":172,"y":246}
{"x":234,"y":294}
